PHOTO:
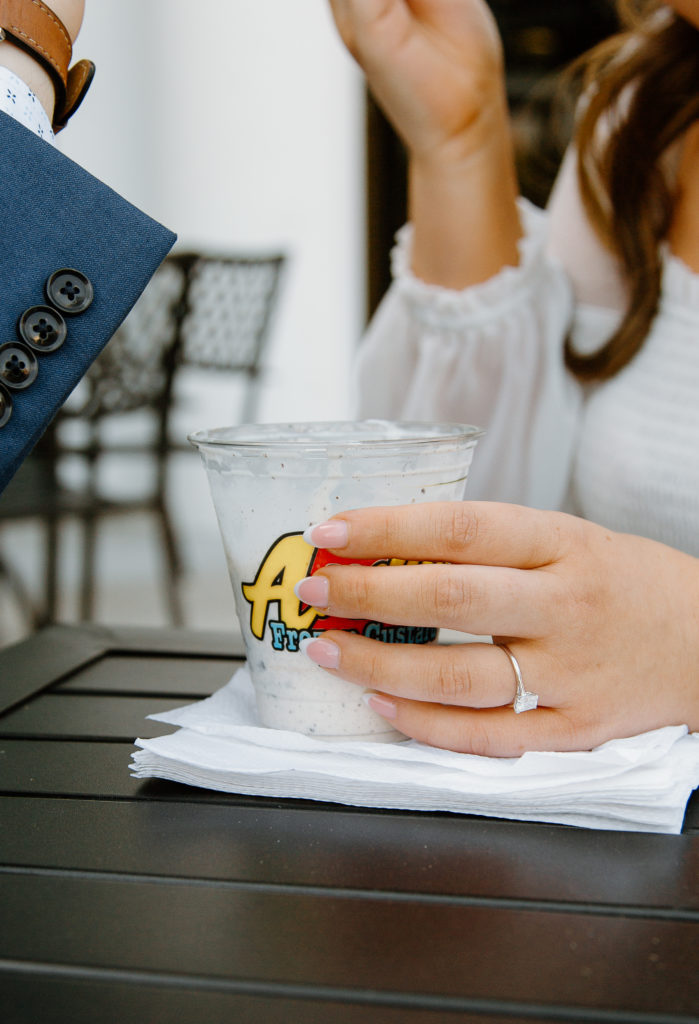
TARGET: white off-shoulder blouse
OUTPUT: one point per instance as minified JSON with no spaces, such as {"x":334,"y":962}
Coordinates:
{"x":624,"y":453}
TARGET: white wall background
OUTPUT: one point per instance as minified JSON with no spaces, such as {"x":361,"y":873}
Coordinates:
{"x":239,"y":125}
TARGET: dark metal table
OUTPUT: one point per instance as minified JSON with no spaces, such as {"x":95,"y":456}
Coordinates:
{"x":128,"y":900}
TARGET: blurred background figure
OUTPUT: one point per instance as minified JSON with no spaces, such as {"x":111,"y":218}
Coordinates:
{"x":246,"y":146}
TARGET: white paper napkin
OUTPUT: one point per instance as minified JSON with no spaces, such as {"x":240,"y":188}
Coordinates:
{"x":638,"y":784}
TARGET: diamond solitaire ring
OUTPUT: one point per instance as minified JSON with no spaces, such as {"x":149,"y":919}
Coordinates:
{"x":524,"y":700}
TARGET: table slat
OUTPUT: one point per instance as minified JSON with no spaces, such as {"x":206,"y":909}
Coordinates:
{"x":283,"y":845}
{"x":63,"y":768}
{"x":507,"y":956}
{"x":84,"y":999}
{"x":95,"y":717}
{"x":57,"y":652}
{"x":162,"y":675}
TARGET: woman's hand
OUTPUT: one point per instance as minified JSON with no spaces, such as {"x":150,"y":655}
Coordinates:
{"x":605,"y":626}
{"x":436,"y":69}
{"x":435,"y":66}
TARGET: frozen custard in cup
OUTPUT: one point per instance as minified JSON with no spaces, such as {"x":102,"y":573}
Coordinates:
{"x":271,"y":481}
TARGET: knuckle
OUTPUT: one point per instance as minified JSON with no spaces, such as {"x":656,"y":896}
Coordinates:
{"x":387,"y":531}
{"x":451,"y":598}
{"x":587,"y":603}
{"x":356,"y":590}
{"x":582,"y":599}
{"x":477,"y":737}
{"x":452,"y":684}
{"x":460,"y":531}
{"x":554,"y":541}
{"x":376,"y":528}
{"x":349,"y":588}
{"x":567,"y":534}
{"x":373,"y":669}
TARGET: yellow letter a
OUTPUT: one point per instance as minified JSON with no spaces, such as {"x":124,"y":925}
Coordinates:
{"x":287,"y":561}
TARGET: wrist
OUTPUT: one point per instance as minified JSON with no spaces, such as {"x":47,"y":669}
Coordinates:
{"x":463,"y":207}
{"x":467,"y":134}
{"x":32,"y":74}
{"x":36,"y":29}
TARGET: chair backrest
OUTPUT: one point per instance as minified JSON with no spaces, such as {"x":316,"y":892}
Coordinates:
{"x":199,"y":311}
{"x":225,"y":315}
{"x":134,"y":369}
{"x":210,"y":312}
{"x":121,"y":407}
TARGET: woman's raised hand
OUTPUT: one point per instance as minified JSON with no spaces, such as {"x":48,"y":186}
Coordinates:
{"x":605,"y":626}
{"x":435,"y":67}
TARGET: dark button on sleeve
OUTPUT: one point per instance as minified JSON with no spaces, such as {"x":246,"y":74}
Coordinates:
{"x":5,"y":406}
{"x":42,"y":328}
{"x":18,"y":366}
{"x":69,"y":291}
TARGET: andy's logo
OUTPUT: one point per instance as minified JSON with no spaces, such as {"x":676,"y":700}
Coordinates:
{"x":289,"y":560}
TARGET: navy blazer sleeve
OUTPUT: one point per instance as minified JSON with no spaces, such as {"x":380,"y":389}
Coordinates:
{"x":56,"y":215}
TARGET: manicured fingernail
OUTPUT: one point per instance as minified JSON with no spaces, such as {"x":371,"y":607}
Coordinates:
{"x":333,"y":534}
{"x":323,"y":652}
{"x":314,"y":591}
{"x":381,"y":705}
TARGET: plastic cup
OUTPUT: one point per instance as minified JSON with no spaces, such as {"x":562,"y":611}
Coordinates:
{"x":269,"y":482}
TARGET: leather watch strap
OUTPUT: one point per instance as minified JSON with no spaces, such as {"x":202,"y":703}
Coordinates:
{"x":79,"y":79}
{"x":34,"y":27}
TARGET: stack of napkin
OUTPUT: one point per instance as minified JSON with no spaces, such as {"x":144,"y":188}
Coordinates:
{"x":640,"y":784}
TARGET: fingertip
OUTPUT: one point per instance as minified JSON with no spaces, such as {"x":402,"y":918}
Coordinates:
{"x":320,"y":651}
{"x":313,"y":591}
{"x":381,"y":704}
{"x":331,"y":534}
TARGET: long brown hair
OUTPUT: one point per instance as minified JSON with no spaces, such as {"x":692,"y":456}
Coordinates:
{"x":646,"y":80}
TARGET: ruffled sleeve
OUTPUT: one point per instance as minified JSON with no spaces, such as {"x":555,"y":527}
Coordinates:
{"x":489,"y":355}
